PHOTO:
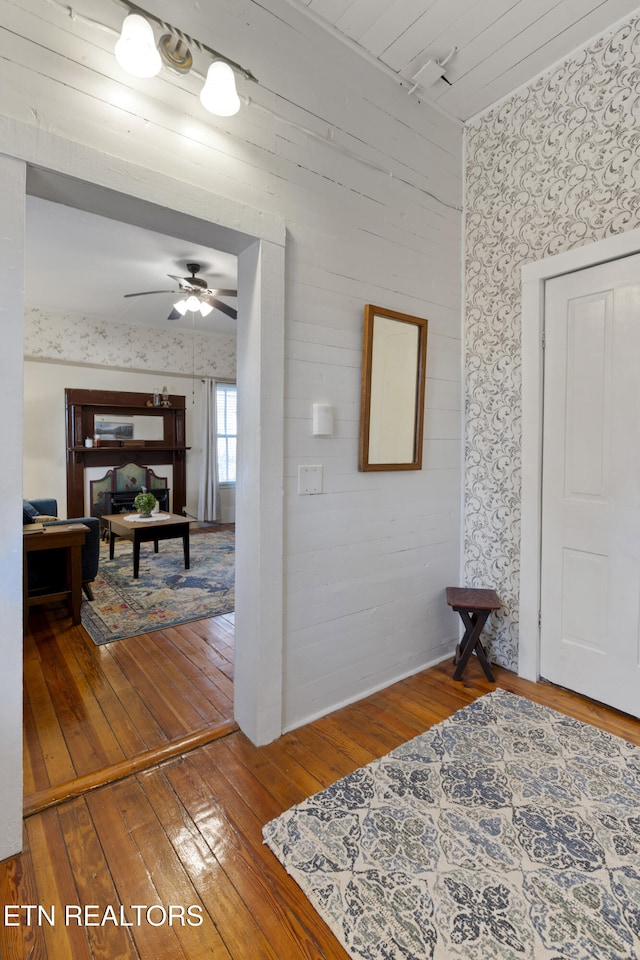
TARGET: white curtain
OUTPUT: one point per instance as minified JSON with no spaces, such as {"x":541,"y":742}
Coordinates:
{"x":208,"y":499}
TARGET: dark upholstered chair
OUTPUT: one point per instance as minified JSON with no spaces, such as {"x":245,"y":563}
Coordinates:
{"x":48,"y":568}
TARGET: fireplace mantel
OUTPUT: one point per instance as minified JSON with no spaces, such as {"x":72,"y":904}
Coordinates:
{"x":82,"y":407}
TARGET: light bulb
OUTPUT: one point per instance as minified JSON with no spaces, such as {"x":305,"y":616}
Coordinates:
{"x":136,"y":49}
{"x":219,"y":94}
{"x":181,"y":307}
{"x":205,"y":308}
{"x":193,"y":303}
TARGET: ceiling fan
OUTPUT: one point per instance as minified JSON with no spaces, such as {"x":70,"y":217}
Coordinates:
{"x":197,"y":295}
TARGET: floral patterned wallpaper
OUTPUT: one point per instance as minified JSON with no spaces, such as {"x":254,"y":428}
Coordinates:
{"x":555,"y":166}
{"x":51,"y":336}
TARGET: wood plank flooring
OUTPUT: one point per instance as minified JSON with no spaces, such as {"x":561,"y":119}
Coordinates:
{"x":95,"y":713}
{"x":187,"y":832}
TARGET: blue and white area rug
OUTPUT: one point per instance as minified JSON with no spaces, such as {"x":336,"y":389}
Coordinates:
{"x":507,"y":831}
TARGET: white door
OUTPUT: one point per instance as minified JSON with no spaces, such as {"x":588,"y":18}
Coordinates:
{"x":590,"y":593}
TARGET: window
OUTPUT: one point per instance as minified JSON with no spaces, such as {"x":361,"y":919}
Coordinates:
{"x":227,"y":426}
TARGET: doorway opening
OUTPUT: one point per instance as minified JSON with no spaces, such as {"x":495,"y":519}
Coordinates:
{"x":260,"y":377}
{"x":94,"y":714}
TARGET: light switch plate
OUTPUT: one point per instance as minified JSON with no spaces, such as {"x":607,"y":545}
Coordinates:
{"x":309,"y":479}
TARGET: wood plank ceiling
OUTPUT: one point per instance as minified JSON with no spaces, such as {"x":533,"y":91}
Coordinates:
{"x":499,"y":44}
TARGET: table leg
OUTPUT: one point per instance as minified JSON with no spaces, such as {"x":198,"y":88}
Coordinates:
{"x":75,"y":574}
{"x":112,"y":543}
{"x":486,"y":666}
{"x":185,"y":546}
{"x":25,"y":591}
{"x":136,"y":555}
{"x":474,"y":622}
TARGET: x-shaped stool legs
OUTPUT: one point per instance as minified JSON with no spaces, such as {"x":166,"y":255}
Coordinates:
{"x":474,"y":607}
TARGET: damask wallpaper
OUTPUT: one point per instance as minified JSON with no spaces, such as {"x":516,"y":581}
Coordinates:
{"x":555,"y":166}
{"x":50,"y":336}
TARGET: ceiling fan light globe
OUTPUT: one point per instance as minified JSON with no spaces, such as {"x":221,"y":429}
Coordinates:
{"x":193,"y":303}
{"x":219,"y":95}
{"x":205,"y":308}
{"x":181,"y":307}
{"x":136,"y":48}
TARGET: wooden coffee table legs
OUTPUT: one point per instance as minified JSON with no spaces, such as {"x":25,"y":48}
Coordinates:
{"x":137,"y":540}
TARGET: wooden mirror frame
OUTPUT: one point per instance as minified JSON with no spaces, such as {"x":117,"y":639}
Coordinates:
{"x":416,"y":414}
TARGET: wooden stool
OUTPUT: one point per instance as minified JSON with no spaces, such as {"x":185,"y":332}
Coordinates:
{"x":474,"y":606}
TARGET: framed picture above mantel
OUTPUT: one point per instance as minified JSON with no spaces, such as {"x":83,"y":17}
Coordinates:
{"x":112,"y":427}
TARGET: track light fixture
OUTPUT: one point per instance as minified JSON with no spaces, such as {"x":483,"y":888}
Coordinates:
{"x":136,"y":49}
{"x":219,"y":93}
{"x":137,"y":53}
{"x":175,"y":54}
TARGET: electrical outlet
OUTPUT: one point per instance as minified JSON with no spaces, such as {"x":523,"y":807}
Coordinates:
{"x":310,"y":479}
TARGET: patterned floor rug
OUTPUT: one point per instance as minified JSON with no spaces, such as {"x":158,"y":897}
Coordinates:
{"x":165,"y":593}
{"x":507,"y":831}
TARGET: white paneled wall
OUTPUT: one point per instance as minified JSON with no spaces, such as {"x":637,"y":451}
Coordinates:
{"x":11,"y":306}
{"x":369,"y":183}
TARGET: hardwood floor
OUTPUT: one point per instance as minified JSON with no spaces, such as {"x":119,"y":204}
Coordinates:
{"x":187,"y":832}
{"x":96,"y":713}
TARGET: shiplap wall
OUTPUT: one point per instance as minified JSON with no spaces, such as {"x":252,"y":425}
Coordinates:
{"x":365,"y":563}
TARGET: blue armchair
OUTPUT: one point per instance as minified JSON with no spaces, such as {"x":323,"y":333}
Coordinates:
{"x":48,"y":568}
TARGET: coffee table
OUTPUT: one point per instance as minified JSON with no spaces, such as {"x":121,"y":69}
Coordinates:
{"x":161,"y":526}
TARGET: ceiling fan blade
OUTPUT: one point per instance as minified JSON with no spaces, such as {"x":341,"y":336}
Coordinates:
{"x":174,"y":315}
{"x":223,"y":307}
{"x":224,"y":293}
{"x":183,"y":282}
{"x":145,"y":293}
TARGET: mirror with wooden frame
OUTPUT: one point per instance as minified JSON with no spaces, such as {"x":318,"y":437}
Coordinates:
{"x":394,"y":359}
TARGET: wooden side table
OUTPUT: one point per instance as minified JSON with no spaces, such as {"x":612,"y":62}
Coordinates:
{"x":70,"y":537}
{"x":474,"y":606}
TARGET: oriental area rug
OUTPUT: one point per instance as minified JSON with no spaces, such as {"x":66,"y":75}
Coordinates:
{"x":507,"y":831}
{"x":164,"y":594}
